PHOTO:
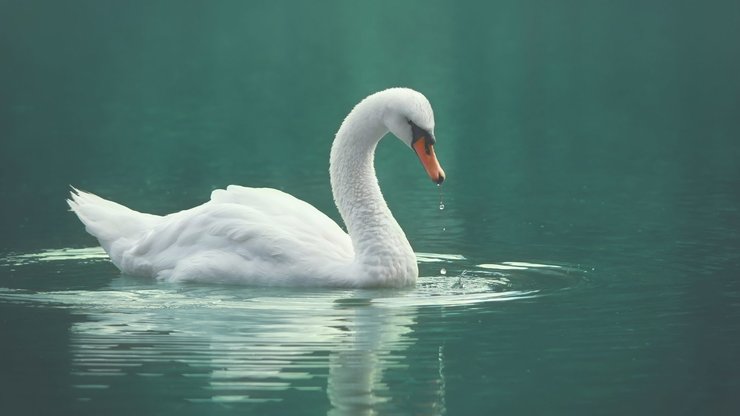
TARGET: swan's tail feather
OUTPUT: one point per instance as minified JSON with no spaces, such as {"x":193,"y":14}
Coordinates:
{"x":107,"y":220}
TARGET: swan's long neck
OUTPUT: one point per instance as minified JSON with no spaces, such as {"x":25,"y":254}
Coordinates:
{"x":381,"y":247}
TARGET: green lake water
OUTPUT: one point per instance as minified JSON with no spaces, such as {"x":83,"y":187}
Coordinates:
{"x":586,"y":261}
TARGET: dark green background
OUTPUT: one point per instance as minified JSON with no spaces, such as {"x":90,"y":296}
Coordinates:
{"x":603,"y":134}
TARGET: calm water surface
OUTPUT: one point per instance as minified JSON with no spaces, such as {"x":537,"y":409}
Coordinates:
{"x":586,"y":261}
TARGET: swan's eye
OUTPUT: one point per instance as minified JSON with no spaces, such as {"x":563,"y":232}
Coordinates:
{"x":419,"y":133}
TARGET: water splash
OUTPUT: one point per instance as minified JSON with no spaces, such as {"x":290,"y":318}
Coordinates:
{"x":459,"y":273}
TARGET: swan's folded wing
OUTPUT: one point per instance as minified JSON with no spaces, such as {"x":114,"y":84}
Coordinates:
{"x":242,"y":234}
{"x":285,"y":210}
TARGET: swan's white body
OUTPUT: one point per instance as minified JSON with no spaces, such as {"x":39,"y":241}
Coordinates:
{"x":267,"y":237}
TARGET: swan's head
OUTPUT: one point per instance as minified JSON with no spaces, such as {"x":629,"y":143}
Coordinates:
{"x":408,"y":115}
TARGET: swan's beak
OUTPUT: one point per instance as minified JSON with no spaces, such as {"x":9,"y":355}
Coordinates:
{"x":424,"y":148}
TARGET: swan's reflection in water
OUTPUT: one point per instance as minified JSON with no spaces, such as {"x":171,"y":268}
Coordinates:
{"x":373,"y":341}
{"x":234,"y":347}
{"x":219,"y":347}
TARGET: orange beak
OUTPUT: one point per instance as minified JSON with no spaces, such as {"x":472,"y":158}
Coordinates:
{"x":425,"y":151}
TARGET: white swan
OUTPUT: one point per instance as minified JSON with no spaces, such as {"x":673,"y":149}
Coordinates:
{"x":267,"y":237}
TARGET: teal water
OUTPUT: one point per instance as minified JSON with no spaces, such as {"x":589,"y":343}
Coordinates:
{"x":590,"y":239}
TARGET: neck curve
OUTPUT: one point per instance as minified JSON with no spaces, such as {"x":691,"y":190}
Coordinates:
{"x":383,"y":255}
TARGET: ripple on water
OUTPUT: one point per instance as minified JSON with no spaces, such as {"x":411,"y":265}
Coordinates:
{"x":446,"y":279}
{"x":62,"y":254}
{"x":219,"y":344}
